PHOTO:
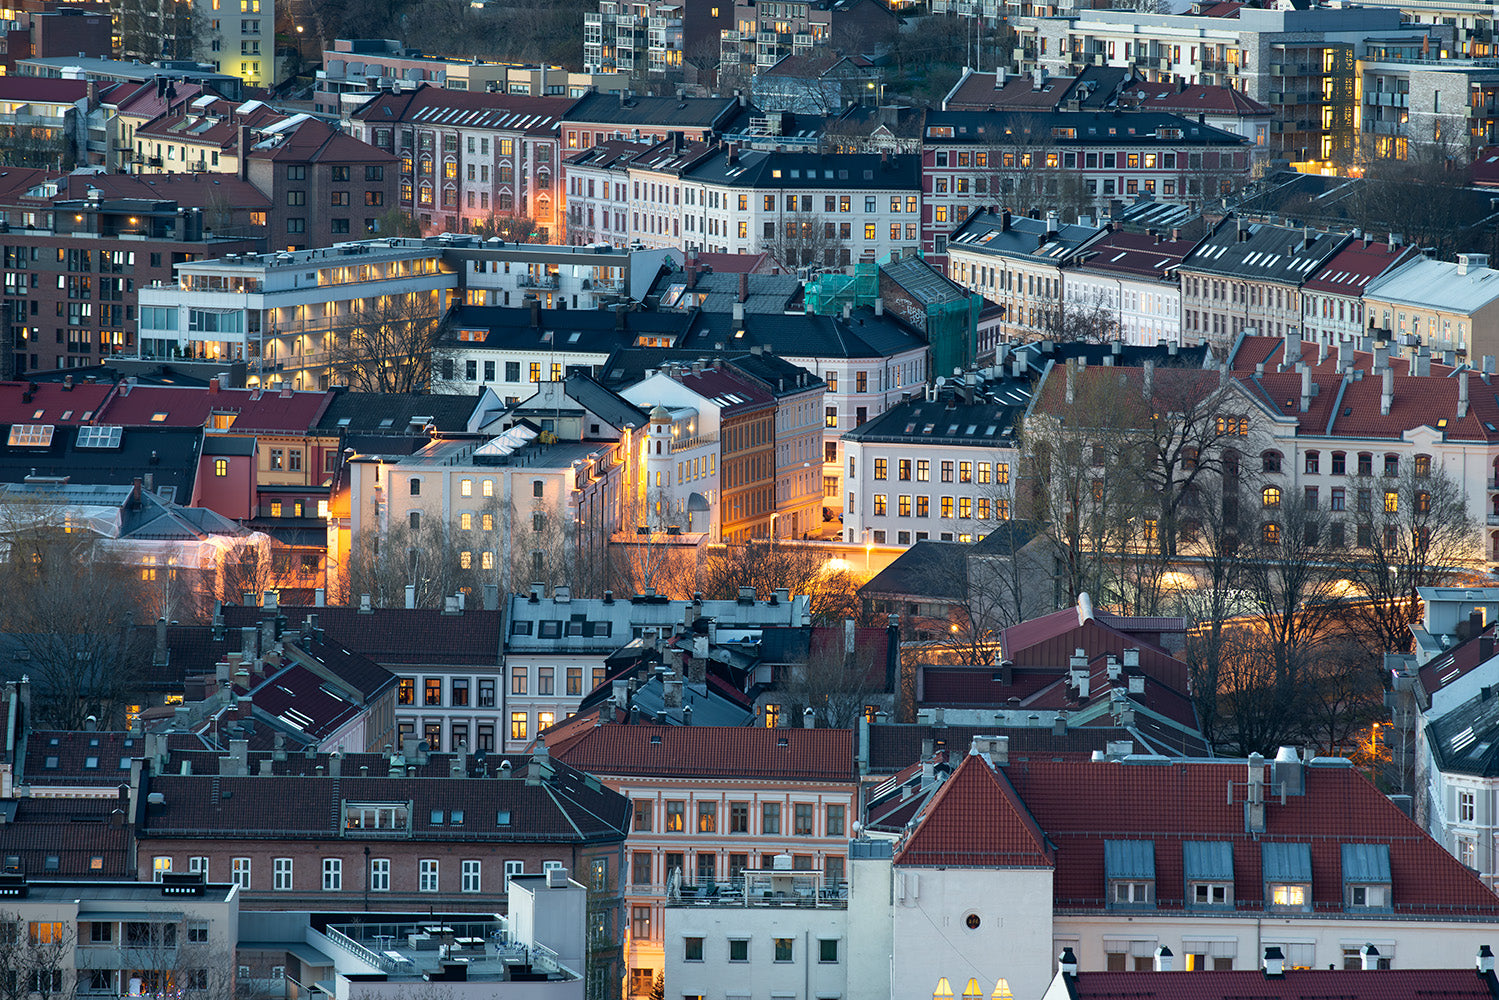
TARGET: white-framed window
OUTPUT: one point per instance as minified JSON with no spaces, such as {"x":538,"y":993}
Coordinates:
{"x":333,"y":874}
{"x":240,"y":870}
{"x":1134,"y":892}
{"x":1289,"y":895}
{"x":427,"y":875}
{"x":159,"y":867}
{"x":1212,"y":893}
{"x":1467,"y":807}
{"x":198,"y":866}
{"x":513,"y":868}
{"x":1368,"y":896}
{"x":281,"y":874}
{"x":471,"y":876}
{"x":379,"y":874}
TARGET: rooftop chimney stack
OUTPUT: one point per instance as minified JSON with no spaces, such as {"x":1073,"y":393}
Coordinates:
{"x":1368,"y":958}
{"x":1067,"y":963}
{"x":1306,"y":389}
{"x":1274,"y":963}
{"x":1485,"y":960}
{"x":1254,"y":807}
{"x":1163,"y":958}
{"x":1386,"y":391}
{"x":1462,"y":395}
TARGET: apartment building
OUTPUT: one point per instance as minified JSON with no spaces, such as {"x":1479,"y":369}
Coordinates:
{"x":799,"y":424}
{"x":74,"y":259}
{"x":265,"y":310}
{"x":200,"y":133}
{"x":710,"y":802}
{"x":1447,"y":305}
{"x":649,"y":37}
{"x":1332,"y":298}
{"x":762,"y":34}
{"x":1300,"y":63}
{"x":598,"y":193}
{"x":358,"y":69}
{"x":1248,"y":275}
{"x":1129,"y":281}
{"x":1023,"y":264}
{"x":941,"y":468}
{"x":596,"y":118}
{"x":234,"y":39}
{"x":465,"y":158}
{"x":975,"y":159}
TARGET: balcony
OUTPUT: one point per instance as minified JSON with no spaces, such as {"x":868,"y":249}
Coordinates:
{"x":537,"y":281}
{"x":773,"y":888}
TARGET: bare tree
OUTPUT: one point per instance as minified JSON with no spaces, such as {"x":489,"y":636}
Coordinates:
{"x":806,"y":239}
{"x":71,"y":607}
{"x":34,"y":959}
{"x":1411,"y":530}
{"x":768,"y":565}
{"x":386,"y":344}
{"x":837,"y":684}
{"x":517,"y":228}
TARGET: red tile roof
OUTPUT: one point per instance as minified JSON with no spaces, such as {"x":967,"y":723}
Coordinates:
{"x":712,"y":752}
{"x":1136,"y":254}
{"x":190,"y":190}
{"x":1453,"y":663}
{"x":1342,"y":408}
{"x":214,"y":123}
{"x":44,"y":90}
{"x":976,"y":821}
{"x":1271,"y":352}
{"x":49,"y":401}
{"x":191,"y":406}
{"x":1198,"y":99}
{"x":1170,"y":804}
{"x":1300,"y":984}
{"x":1349,"y":271}
{"x":314,"y":141}
{"x":737,"y":393}
{"x":143,"y":100}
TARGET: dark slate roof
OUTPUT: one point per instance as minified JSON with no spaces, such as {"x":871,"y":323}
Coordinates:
{"x":1466,"y":739}
{"x":1127,"y":356}
{"x":779,"y":376}
{"x":859,"y":172}
{"x":1093,"y":128}
{"x":608,"y":404}
{"x":718,"y":291}
{"x":923,"y":282}
{"x":391,"y":413}
{"x":932,"y":570}
{"x":563,"y":331}
{"x":897,"y":745}
{"x":64,"y":757}
{"x":939,"y":421}
{"x":1262,"y":252}
{"x":1007,"y":538}
{"x":393,"y":635}
{"x":667,"y":112}
{"x":169,"y":455}
{"x":864,"y":335}
{"x":565,"y":806}
{"x":1007,"y":235}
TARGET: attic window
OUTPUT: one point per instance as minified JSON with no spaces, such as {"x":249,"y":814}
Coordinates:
{"x":124,"y":763}
{"x":51,"y":762}
{"x":51,"y":863}
{"x":782,"y":741}
{"x":91,"y":763}
{"x":502,"y":818}
{"x":159,"y":417}
{"x":1129,"y":868}
{"x":455,"y":818}
{"x":31,"y":435}
{"x":437,"y":817}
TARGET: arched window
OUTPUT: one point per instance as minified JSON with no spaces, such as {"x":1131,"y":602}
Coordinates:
{"x":1270,"y":461}
{"x":1423,"y":466}
{"x":1313,"y":462}
{"x":1271,"y":496}
{"x":1391,"y":464}
{"x":1365,"y":463}
{"x":943,"y":990}
{"x":1270,"y":533}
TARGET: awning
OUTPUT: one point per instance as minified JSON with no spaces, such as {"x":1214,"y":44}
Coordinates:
{"x":1129,"y":859}
{"x":1208,"y":861}
{"x":1366,"y":863}
{"x":1287,"y":862}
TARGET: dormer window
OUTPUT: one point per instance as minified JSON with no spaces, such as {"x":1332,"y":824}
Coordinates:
{"x":1366,"y":877}
{"x":1288,"y":876}
{"x":1129,"y":868}
{"x":1208,"y":867}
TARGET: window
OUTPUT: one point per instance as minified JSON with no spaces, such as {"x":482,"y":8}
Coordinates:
{"x":640,"y":923}
{"x":643,"y":813}
{"x":1423,"y":466}
{"x":1270,"y":461}
{"x":240,"y":872}
{"x":1312,"y":460}
{"x":738,"y":949}
{"x":802,"y":819}
{"x":707,"y":817}
{"x":675,"y":816}
{"x":159,"y":867}
{"x":221,"y":467}
{"x":281,"y":873}
{"x":785,"y":949}
{"x":923,"y":470}
{"x":379,"y":874}
{"x":333,"y":874}
{"x":770,"y":818}
{"x":1365,"y":464}
{"x":1466,"y":807}
{"x":1270,"y":533}
{"x":1391,"y":502}
{"x":835,"y":821}
{"x":739,"y":817}
{"x":881,"y":468}
{"x":1212,"y":893}
{"x":517,"y":725}
{"x":1271,"y":496}
{"x":827,"y":950}
{"x":519,"y":677}
{"x":1339,"y":463}
{"x":427,"y":875}
{"x":1133,"y":892}
{"x":692,"y":950}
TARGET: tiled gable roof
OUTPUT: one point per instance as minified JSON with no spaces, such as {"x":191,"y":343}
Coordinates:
{"x":976,"y":821}
{"x":395,"y":635}
{"x":439,"y":107}
{"x":74,"y":832}
{"x":713,"y":752}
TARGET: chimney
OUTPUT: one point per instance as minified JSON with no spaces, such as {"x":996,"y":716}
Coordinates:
{"x":159,"y":655}
{"x":1462,"y":395}
{"x":1485,"y":960}
{"x":1421,"y":363}
{"x":1368,"y":958}
{"x":1071,"y":384}
{"x":809,"y":718}
{"x":1114,"y":669}
{"x":410,"y":596}
{"x":1149,"y":379}
{"x":1163,"y":958}
{"x":743,"y":286}
{"x":671,"y":689}
{"x":1059,"y":725}
{"x":1387,"y":391}
{"x":1274,"y":963}
{"x":244,"y":152}
{"x":1067,"y":963}
{"x":1382,"y":356}
{"x":1345,"y":353}
{"x":1254,"y":807}
{"x":1286,"y":774}
{"x":248,"y":647}
{"x":1306,"y":388}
